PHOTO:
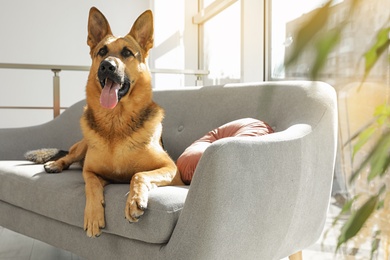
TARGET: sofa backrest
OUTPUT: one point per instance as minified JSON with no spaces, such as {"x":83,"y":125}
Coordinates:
{"x":192,"y":112}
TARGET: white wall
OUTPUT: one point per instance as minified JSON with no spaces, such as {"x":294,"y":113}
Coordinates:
{"x":44,"y":31}
{"x":50,"y":32}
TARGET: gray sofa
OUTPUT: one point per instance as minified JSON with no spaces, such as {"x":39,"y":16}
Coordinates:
{"x":251,"y":198}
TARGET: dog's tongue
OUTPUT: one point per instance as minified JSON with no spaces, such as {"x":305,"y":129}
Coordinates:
{"x":109,"y":95}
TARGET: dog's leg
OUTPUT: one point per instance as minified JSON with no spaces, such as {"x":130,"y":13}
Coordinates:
{"x":76,"y":154}
{"x":142,"y":183}
{"x":94,"y":205}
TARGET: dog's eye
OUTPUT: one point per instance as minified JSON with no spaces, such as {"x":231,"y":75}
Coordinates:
{"x":126,"y":53}
{"x":103,"y":51}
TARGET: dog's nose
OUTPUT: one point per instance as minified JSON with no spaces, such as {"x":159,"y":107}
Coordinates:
{"x":107,"y":66}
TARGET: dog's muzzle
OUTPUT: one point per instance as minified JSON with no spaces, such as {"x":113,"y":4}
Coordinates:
{"x":114,"y":82}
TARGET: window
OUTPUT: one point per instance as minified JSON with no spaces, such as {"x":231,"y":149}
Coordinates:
{"x":208,"y":36}
{"x":204,"y":36}
{"x":222,"y":46}
{"x":168,"y":52}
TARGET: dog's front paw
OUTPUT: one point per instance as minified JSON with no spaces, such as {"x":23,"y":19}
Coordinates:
{"x":94,"y":220}
{"x":135,"y":207}
{"x":53,"y":167}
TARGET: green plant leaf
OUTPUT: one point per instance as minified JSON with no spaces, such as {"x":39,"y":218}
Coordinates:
{"x":375,"y":243}
{"x":324,"y":45}
{"x":381,"y":204}
{"x":356,"y":135}
{"x":344,"y":210}
{"x":378,"y":159}
{"x":382,"y":110}
{"x":382,"y":42}
{"x":382,"y":113}
{"x":308,"y":31}
{"x":357,"y":220}
{"x":364,"y":137}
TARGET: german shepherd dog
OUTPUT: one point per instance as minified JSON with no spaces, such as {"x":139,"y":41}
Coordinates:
{"x":121,"y":124}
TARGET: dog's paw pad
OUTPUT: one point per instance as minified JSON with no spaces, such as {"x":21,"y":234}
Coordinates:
{"x":134,"y":210}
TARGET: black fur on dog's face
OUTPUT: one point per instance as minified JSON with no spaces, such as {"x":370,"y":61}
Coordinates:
{"x":112,"y":78}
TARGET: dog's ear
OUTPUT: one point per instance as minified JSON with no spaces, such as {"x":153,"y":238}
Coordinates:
{"x":142,"y":31}
{"x":98,"y":27}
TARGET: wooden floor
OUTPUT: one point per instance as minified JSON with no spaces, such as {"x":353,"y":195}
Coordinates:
{"x":14,"y":246}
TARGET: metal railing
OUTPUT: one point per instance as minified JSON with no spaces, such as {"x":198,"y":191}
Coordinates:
{"x":56,"y":69}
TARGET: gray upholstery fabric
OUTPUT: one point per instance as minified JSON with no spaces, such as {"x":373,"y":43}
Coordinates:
{"x":250,"y":198}
{"x":53,"y":194}
{"x":59,"y":133}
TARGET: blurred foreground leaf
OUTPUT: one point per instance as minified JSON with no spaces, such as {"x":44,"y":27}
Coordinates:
{"x":357,"y":220}
{"x":382,"y":42}
{"x":378,"y":159}
{"x":382,"y":113}
{"x":324,"y":46}
{"x":375,"y":243}
{"x":308,"y":31}
{"x":344,"y":210}
{"x":364,"y":137}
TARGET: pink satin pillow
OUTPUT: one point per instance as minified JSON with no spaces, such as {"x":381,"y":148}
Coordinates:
{"x":189,"y":159}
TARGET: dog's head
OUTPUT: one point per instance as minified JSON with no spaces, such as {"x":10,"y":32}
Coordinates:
{"x":117,"y":62}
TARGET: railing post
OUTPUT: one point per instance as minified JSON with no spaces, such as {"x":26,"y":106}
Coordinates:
{"x":199,"y":80}
{"x":56,"y":92}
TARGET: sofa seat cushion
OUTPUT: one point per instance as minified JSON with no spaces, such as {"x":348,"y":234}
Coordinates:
{"x":61,"y":197}
{"x":245,"y":127}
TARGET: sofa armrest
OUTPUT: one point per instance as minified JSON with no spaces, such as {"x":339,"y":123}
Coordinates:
{"x":249,"y":193}
{"x":14,"y":142}
{"x":60,"y":133}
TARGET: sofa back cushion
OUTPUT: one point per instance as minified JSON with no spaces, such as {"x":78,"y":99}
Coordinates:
{"x":191,"y":112}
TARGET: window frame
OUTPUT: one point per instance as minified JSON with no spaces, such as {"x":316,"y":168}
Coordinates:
{"x":253,"y":35}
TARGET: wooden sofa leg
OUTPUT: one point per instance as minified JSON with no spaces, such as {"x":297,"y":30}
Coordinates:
{"x":296,"y":256}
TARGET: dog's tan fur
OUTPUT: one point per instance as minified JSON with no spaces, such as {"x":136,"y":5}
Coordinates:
{"x":120,"y":144}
